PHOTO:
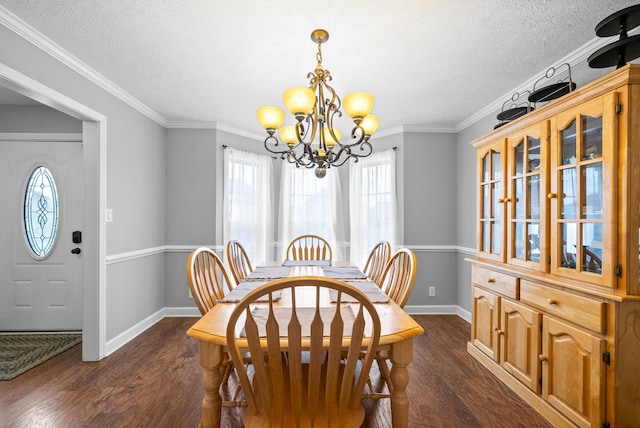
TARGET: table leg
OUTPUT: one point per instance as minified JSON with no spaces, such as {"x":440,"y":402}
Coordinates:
{"x":211,"y":360}
{"x":401,"y":356}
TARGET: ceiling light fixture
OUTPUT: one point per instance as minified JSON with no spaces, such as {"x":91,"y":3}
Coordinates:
{"x":314,"y":109}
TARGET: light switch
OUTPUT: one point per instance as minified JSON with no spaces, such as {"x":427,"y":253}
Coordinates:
{"x":109,"y":215}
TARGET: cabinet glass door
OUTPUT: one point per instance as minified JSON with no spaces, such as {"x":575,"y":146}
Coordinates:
{"x":527,"y":183}
{"x":583,"y":167}
{"x":490,"y":228}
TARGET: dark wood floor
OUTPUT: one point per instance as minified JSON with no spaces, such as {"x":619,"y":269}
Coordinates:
{"x":155,"y":381}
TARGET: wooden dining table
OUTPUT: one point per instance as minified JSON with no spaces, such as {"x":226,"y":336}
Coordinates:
{"x":396,"y":338}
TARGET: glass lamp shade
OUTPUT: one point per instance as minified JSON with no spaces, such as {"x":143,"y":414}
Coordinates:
{"x":358,"y":104}
{"x":299,"y":100}
{"x":328,"y":139}
{"x":270,"y":117}
{"x":288,"y":134}
{"x":370,"y":124}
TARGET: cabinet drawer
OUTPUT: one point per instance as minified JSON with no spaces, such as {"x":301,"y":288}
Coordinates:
{"x":506,"y":285}
{"x":583,"y":311}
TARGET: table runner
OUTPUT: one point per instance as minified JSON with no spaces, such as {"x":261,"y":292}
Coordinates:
{"x":305,"y":316}
{"x":268,"y":272}
{"x":244,"y":288}
{"x":369,"y":288}
{"x":306,"y":263}
{"x":343,"y":272}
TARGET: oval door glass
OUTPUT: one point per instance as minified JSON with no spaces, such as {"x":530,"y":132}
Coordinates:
{"x":41,"y":212}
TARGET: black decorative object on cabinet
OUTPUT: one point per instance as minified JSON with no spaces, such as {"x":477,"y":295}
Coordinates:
{"x":626,"y":48}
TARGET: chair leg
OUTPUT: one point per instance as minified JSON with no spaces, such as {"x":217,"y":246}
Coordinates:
{"x":384,"y":372}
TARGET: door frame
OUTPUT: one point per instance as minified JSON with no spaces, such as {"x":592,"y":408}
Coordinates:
{"x":94,"y":155}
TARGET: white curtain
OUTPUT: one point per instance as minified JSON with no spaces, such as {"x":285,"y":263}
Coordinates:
{"x":311,"y":205}
{"x":372,"y":203}
{"x":248,"y":203}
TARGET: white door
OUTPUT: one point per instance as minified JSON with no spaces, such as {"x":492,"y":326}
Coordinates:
{"x":41,"y":292}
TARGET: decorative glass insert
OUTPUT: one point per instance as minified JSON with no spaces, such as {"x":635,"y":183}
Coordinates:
{"x":41,"y":212}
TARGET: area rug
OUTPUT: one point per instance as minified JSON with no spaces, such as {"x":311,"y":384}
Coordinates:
{"x":21,"y":352}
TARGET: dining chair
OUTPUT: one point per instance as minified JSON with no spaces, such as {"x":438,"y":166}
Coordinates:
{"x":207,"y":277}
{"x":377,"y":261}
{"x":309,"y":247}
{"x":238,"y":261}
{"x":321,"y":381}
{"x":399,"y":276}
{"x":397,"y":282}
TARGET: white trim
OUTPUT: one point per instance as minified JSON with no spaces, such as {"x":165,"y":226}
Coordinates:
{"x":128,"y":335}
{"x":24,"y":30}
{"x":191,"y":124}
{"x":236,"y":131}
{"x":30,"y":136}
{"x":94,"y":137}
{"x":438,"y":310}
{"x":441,"y":249}
{"x":174,"y":312}
{"x":131,"y":255}
{"x":579,"y":55}
{"x":467,"y":250}
{"x":151,"y":251}
{"x":145,"y":252}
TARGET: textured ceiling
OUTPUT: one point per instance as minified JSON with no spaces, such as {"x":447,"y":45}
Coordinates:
{"x":432,"y":63}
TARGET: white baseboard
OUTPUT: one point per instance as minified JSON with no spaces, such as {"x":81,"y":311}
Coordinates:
{"x":438,"y":310}
{"x":128,"y":335}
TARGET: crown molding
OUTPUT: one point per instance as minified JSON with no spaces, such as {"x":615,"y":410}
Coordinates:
{"x":232,"y":130}
{"x":573,"y":58}
{"x":189,"y":124}
{"x":24,"y":30}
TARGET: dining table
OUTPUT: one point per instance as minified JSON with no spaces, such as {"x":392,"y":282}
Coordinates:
{"x":396,"y":337}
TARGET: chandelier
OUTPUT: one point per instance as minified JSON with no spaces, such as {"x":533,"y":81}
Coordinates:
{"x":315,"y":108}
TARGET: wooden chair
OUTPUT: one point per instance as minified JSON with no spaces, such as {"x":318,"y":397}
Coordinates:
{"x":399,"y":276}
{"x":309,"y":247}
{"x":238,"y":261}
{"x":397,"y":282}
{"x":321,"y":381}
{"x":207,"y":275}
{"x":377,"y":261}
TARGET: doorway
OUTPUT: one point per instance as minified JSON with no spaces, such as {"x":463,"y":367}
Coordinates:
{"x":41,"y":219}
{"x":93,"y":204}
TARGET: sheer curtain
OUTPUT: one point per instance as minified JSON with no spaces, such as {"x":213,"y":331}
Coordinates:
{"x":311,"y":205}
{"x":248,"y":203}
{"x":372,"y":203}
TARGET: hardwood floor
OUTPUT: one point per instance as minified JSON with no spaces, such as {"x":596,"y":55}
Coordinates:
{"x":155,"y":381}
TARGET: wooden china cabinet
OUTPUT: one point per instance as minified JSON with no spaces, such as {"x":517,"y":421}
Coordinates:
{"x":556,"y":283}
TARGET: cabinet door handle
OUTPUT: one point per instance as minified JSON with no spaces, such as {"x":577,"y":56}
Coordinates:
{"x":491,"y":280}
{"x":552,"y":195}
{"x":552,"y":302}
{"x":543,"y":358}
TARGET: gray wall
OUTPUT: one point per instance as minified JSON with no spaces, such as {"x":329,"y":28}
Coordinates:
{"x":135,"y":184}
{"x":162,"y":187}
{"x":37,"y":119}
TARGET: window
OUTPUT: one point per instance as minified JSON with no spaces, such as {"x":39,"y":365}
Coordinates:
{"x":247,"y":213}
{"x":372,"y":203}
{"x":311,"y":205}
{"x":41,"y":212}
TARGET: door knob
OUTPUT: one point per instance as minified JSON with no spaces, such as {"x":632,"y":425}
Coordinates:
{"x":76,"y":251}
